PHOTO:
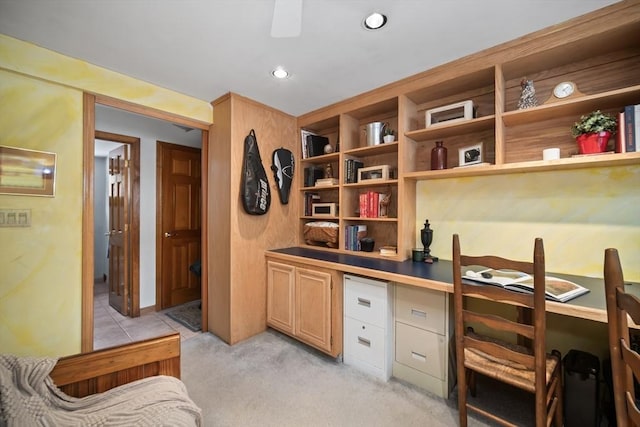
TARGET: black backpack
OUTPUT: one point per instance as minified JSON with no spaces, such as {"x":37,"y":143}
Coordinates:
{"x":255,"y":192}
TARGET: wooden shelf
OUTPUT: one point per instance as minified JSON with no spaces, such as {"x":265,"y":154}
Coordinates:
{"x":615,"y":159}
{"x":325,"y":158}
{"x":371,"y":150}
{"x":360,"y":219}
{"x":573,"y":107}
{"x":371,"y":183}
{"x":445,"y":130}
{"x":321,"y":188}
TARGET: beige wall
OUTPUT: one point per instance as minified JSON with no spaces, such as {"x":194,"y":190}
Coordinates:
{"x":578,"y":214}
{"x":40,"y":266}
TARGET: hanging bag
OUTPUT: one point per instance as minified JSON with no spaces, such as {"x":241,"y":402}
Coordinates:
{"x":255,"y":192}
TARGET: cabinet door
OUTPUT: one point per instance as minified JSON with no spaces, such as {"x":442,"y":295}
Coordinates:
{"x":280,"y":296}
{"x":313,"y":307}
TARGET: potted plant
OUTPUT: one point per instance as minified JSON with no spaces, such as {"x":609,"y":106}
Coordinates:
{"x":592,"y":132}
{"x":388,"y":135}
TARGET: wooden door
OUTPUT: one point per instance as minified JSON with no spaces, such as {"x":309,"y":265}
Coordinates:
{"x":179,"y":206}
{"x":119,"y":243}
{"x":313,"y":307}
{"x":280,"y":296}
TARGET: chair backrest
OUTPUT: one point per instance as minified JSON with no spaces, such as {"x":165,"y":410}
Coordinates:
{"x":525,"y":329}
{"x":625,"y":363}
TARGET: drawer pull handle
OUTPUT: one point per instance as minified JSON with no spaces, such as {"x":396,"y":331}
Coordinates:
{"x":365,"y":302}
{"x":364,"y":341}
{"x":418,"y":356}
{"x":419,"y":313}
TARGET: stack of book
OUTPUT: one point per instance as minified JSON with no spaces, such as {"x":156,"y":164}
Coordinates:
{"x":309,"y":199}
{"x":629,"y":129}
{"x":352,"y":236}
{"x":370,"y":204}
{"x":351,"y":167}
{"x":312,"y":144}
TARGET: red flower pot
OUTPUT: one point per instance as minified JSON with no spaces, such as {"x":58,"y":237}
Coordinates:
{"x":590,"y":143}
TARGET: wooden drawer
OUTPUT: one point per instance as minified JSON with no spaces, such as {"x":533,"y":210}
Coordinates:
{"x":364,"y":343}
{"x":366,"y":300}
{"x":422,"y":308}
{"x":422,"y":350}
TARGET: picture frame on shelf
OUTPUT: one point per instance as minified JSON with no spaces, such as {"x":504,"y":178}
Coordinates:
{"x":373,"y":173}
{"x":471,"y":155}
{"x":449,"y":113}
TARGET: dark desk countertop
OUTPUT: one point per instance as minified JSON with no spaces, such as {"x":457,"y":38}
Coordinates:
{"x":439,"y":276}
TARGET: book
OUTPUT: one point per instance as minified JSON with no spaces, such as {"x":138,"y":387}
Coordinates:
{"x":629,"y":128}
{"x":315,"y":145}
{"x":621,"y":145}
{"x":557,"y":289}
{"x":388,"y":251}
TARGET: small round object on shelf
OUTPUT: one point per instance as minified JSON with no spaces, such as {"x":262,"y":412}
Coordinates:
{"x":564,"y":89}
{"x":328,"y":149}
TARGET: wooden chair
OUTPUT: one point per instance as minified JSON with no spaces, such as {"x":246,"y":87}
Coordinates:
{"x":527,"y":367}
{"x":625,"y":363}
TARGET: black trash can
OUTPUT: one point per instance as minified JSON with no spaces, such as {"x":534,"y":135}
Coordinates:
{"x":581,"y":389}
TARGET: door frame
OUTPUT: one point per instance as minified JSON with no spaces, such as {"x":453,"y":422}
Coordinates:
{"x":134,"y":217}
{"x":88,"y":232}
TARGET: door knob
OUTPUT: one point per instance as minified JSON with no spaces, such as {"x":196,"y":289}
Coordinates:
{"x":167,"y":234}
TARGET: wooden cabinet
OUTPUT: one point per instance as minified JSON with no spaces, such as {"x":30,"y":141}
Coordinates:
{"x":423,"y":334}
{"x":599,"y":52}
{"x":305,"y":303}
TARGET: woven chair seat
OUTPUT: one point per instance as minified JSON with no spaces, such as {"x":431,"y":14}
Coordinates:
{"x":505,"y":370}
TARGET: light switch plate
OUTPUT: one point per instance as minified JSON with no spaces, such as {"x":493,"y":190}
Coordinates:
{"x":15,"y":217}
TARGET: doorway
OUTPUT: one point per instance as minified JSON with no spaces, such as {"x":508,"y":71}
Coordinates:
{"x":90,"y":102}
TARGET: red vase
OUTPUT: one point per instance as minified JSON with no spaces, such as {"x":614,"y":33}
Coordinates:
{"x":591,"y":143}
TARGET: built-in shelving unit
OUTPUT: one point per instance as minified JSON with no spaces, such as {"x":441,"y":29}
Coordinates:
{"x":599,"y":52}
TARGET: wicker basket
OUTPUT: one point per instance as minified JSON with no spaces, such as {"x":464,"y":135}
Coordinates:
{"x":321,"y":234}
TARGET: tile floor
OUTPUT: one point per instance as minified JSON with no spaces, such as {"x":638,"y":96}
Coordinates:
{"x":112,"y":328}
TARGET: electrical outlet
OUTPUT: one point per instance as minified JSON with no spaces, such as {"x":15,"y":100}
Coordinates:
{"x":15,"y":217}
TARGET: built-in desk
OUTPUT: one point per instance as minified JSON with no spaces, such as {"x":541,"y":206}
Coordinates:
{"x":439,"y":276}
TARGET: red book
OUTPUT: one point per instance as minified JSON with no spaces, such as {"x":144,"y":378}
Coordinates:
{"x":363,"y":205}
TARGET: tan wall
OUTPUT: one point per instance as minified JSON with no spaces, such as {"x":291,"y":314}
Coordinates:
{"x":240,"y":275}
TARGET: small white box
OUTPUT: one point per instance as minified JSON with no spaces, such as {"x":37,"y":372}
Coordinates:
{"x":324,"y":209}
{"x":374,"y":173}
{"x":450,"y":113}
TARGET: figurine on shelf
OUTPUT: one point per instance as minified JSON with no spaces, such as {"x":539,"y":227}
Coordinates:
{"x":528,"y":97}
{"x":426,"y":235}
{"x":384,"y":205}
{"x":328,"y":171}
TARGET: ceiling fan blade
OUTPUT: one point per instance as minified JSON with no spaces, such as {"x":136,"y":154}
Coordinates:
{"x":287,"y":18}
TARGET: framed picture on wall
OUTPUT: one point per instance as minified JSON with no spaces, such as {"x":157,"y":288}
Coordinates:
{"x":27,"y":172}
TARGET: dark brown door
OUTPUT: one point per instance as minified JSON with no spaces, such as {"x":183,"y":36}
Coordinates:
{"x":119,"y":202}
{"x":179,"y":206}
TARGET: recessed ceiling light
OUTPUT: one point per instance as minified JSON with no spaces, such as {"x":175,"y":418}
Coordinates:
{"x":375,"y":21}
{"x":280,"y":73}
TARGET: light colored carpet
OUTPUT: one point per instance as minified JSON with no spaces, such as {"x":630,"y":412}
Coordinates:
{"x":272,"y":380}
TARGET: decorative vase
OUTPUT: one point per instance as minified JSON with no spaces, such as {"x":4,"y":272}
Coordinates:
{"x":389,"y":138}
{"x":591,"y":143}
{"x":439,"y":156}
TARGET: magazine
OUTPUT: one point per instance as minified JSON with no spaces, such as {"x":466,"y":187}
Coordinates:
{"x":557,"y":289}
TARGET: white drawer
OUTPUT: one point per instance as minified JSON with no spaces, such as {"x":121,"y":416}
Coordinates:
{"x":366,"y":301}
{"x":423,"y":308}
{"x":421,"y":350}
{"x":364,"y":342}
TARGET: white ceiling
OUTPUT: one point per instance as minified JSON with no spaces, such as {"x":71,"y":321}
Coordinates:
{"x":206,"y":48}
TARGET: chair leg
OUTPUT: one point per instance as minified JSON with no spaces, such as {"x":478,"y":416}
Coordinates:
{"x":471,"y":380}
{"x":462,"y":397}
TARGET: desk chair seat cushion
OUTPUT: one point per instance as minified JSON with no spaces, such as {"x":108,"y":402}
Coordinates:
{"x":505,"y":370}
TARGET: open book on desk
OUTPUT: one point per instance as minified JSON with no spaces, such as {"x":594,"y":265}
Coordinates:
{"x":557,"y":289}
